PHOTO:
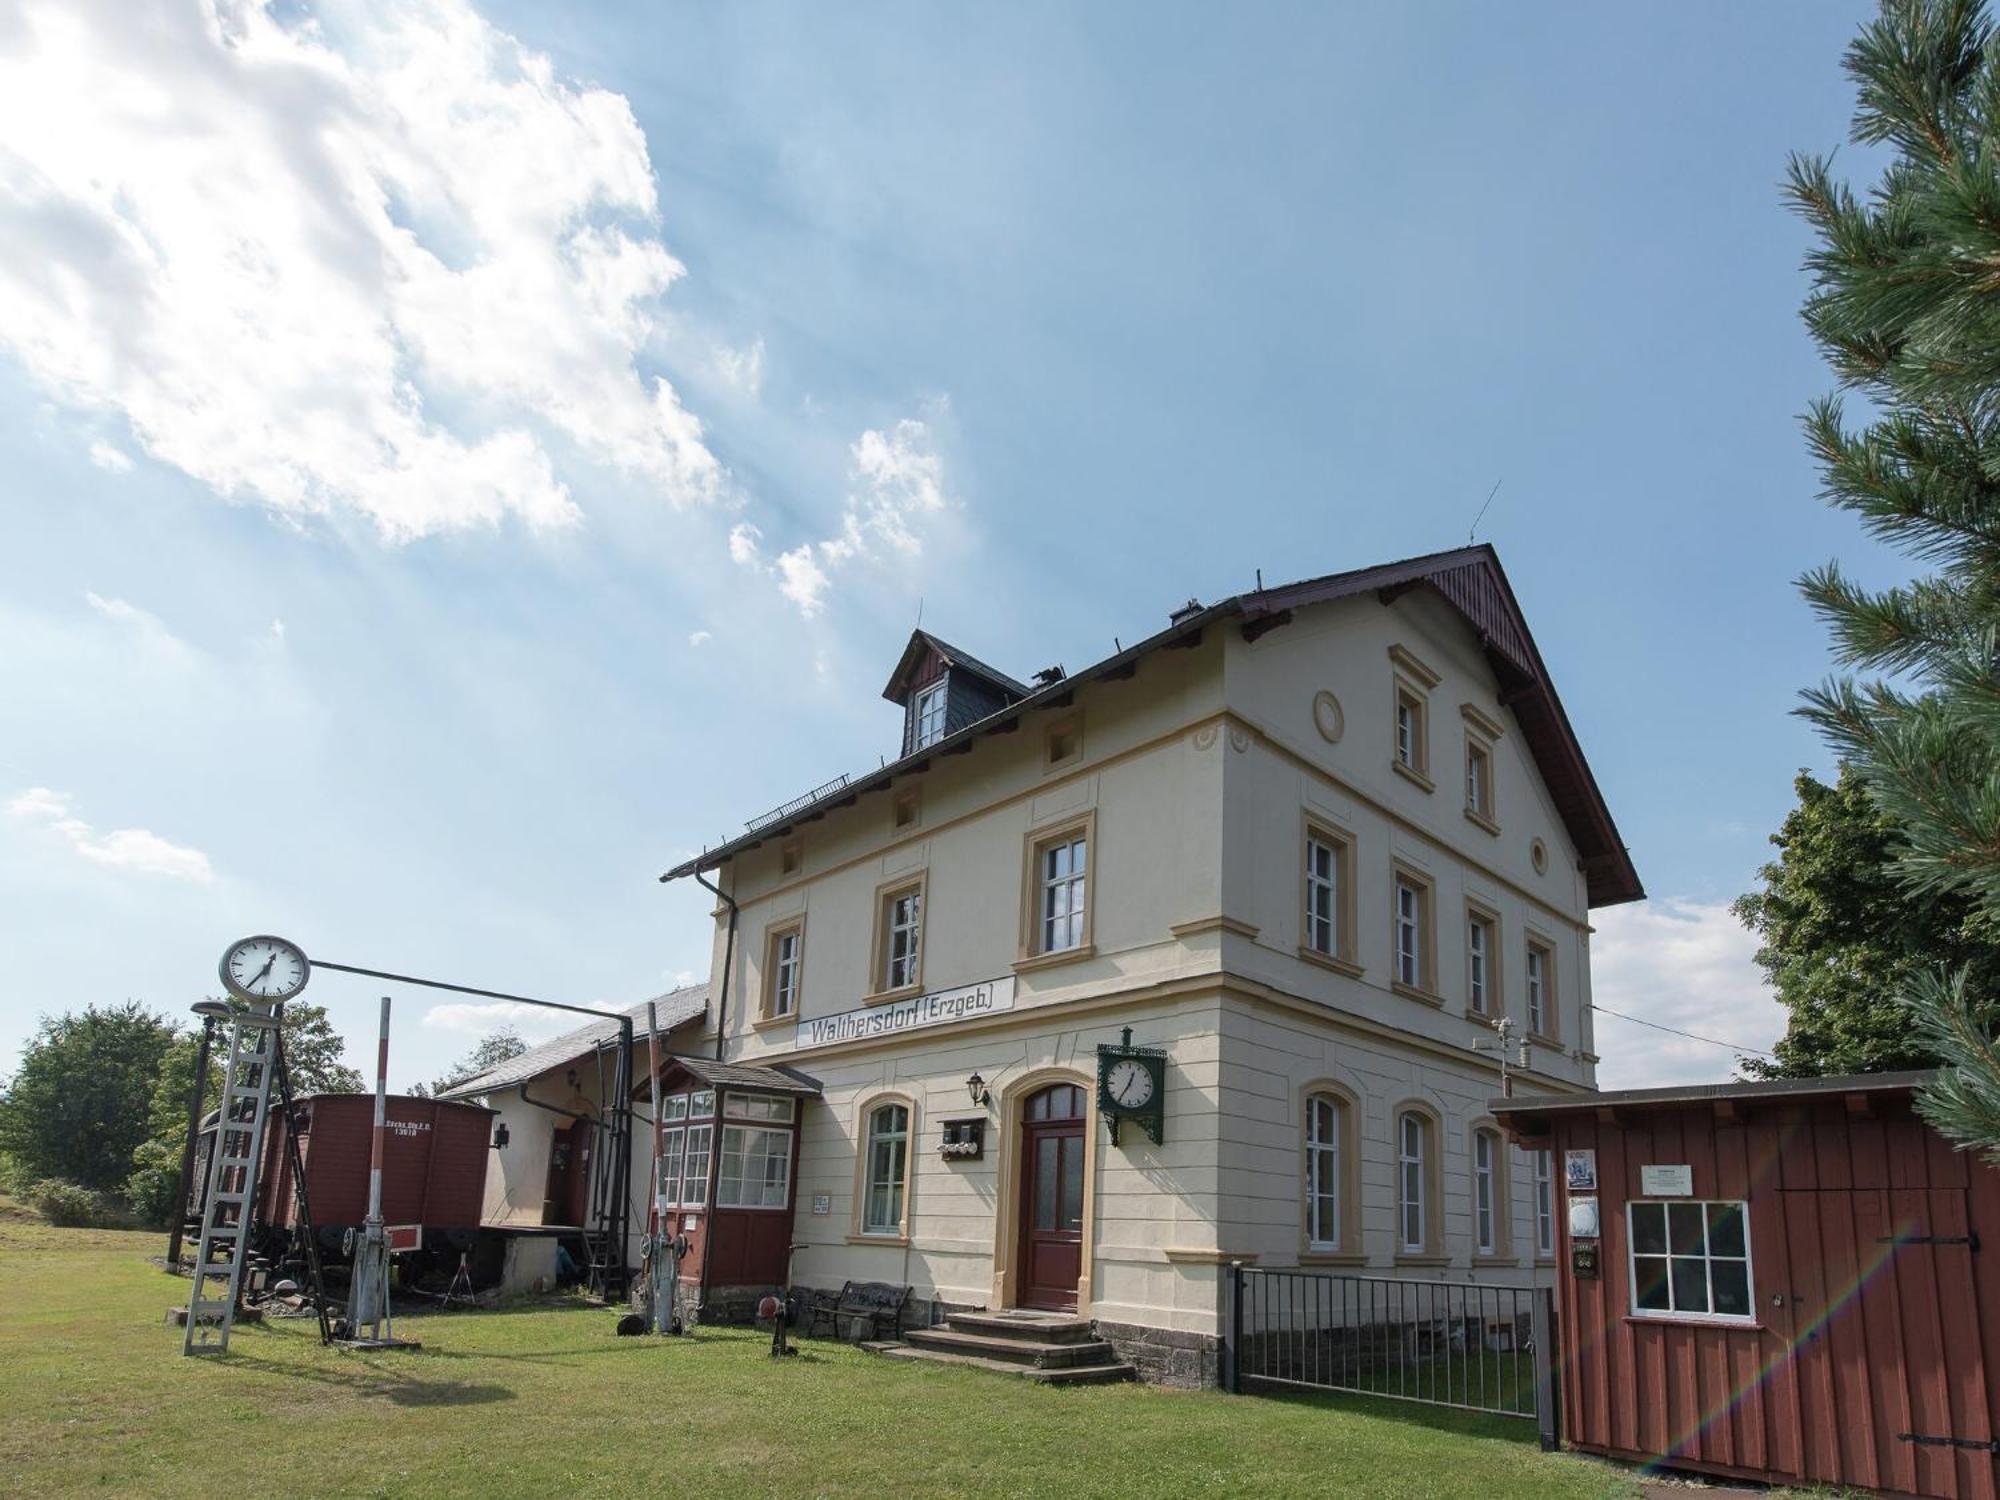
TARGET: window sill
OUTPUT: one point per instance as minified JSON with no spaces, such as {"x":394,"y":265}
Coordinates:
{"x":1332,"y":1258}
{"x":1182,"y":1256}
{"x":1480,"y":820}
{"x":885,"y":997}
{"x":1483,"y":1017}
{"x":1331,"y":961}
{"x":772,"y":1023}
{"x":1412,"y":992}
{"x":1553,"y":1044}
{"x":1412,"y":774}
{"x":1498,"y":1260}
{"x":1422,"y":1260}
{"x":1545,"y":1262}
{"x":894,"y":1241}
{"x":1028,"y":963}
{"x":1690,"y":1320}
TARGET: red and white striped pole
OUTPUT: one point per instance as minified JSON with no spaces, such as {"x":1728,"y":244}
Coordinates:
{"x":381,"y":1121}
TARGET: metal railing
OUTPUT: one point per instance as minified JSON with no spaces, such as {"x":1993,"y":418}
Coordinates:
{"x":780,"y":813}
{"x":1474,"y":1347}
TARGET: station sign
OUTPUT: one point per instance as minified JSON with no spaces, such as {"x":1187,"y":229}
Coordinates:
{"x":941,"y":1007}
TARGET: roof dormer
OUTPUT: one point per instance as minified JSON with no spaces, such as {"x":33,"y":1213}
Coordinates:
{"x":941,"y":689}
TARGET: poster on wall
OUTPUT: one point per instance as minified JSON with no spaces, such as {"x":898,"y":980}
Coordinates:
{"x":1580,"y":1170}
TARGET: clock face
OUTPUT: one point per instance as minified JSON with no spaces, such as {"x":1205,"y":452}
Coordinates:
{"x":264,"y":969}
{"x":1129,"y":1083}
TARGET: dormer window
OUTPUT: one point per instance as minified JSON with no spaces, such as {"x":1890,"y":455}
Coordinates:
{"x":927,"y":715}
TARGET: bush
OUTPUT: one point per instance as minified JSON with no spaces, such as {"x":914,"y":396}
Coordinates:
{"x":70,"y":1206}
{"x":153,"y":1189}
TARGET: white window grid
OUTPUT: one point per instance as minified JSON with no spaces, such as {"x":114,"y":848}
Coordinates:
{"x":1063,"y":870}
{"x":785,"y":975}
{"x":1475,"y":779}
{"x":694,"y":1166}
{"x":1477,"y":933}
{"x":906,"y":920}
{"x":1406,"y":732}
{"x":1545,"y":1202}
{"x":929,"y":716}
{"x":888,"y":1165}
{"x":756,"y":1169}
{"x":1410,"y":1182}
{"x":1322,"y":897}
{"x":1409,"y":934}
{"x":1537,"y":990}
{"x":1482,"y":1192}
{"x":1323,"y":1172}
{"x":1688,"y":1229}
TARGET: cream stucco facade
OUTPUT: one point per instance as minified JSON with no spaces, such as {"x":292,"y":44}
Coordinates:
{"x":1195,"y":780}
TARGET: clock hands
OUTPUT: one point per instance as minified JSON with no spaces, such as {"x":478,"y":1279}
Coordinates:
{"x":258,"y":977}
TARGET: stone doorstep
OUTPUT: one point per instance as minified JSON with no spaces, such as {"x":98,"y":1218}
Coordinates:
{"x":1047,"y":1328}
{"x":1062,"y":1375}
{"x":1025,"y":1351}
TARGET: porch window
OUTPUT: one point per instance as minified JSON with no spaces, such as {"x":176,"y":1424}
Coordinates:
{"x":1323,"y":1129}
{"x":701,"y":1104}
{"x":757,"y":1107}
{"x":888,"y":1156}
{"x":1690,"y":1260}
{"x":671,"y":1146}
{"x":756,"y":1168}
{"x":694,"y":1174}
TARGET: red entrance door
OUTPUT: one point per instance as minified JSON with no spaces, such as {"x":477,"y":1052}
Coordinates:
{"x":1051,"y":1198}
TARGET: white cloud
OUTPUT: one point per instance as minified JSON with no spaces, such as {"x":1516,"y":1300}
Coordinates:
{"x":896,"y":480}
{"x":741,"y":368}
{"x":533,"y":1023}
{"x":364,"y":261}
{"x":123,"y":848}
{"x":110,"y":458}
{"x":147,"y":628}
{"x":699,"y":637}
{"x":1684,"y":964}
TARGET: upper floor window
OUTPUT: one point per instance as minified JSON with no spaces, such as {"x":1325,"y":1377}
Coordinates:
{"x":1323,"y":1132}
{"x":1481,"y":732}
{"x":1411,"y":745}
{"x":1545,"y":1202}
{"x":1324,"y":878}
{"x":927,"y":715}
{"x":1061,"y":908}
{"x":1540,"y":987}
{"x":1412,"y":1182}
{"x":886,"y":1160}
{"x":1479,"y":963}
{"x":1412,"y":961}
{"x":1409,"y":731}
{"x":1690,"y":1260}
{"x":902,"y":937}
{"x":784,"y":969}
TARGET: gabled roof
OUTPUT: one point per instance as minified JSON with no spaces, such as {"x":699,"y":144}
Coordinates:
{"x":675,"y":1008}
{"x":922,"y":643}
{"x":1470,"y":579}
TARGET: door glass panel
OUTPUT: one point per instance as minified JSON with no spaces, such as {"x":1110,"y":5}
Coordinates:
{"x":1046,"y":1181}
{"x":1072,"y":1184}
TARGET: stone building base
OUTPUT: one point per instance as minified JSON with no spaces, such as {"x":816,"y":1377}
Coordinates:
{"x":1162,"y":1356}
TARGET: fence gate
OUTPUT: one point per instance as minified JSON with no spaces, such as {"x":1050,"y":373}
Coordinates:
{"x":1477,"y":1348}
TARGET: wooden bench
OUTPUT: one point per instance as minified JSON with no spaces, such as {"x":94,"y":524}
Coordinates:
{"x":869,"y":1302}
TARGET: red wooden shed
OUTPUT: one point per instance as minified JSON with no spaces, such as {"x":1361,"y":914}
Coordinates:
{"x":1789,"y":1281}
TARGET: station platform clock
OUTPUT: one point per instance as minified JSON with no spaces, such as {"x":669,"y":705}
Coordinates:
{"x":1132,"y":1085}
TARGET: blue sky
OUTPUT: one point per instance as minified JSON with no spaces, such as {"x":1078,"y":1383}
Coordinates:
{"x":460,"y":460}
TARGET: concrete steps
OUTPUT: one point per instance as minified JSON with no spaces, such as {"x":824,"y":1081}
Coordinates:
{"x":1047,"y":1349}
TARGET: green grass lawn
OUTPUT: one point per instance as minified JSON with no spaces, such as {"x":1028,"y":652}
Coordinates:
{"x":97,"y":1399}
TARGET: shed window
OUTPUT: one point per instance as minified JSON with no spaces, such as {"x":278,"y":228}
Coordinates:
{"x":927,"y":716}
{"x":1323,"y":1172}
{"x":1411,"y":1180}
{"x":888,"y":1164}
{"x":1690,"y":1260}
{"x":756,"y":1167}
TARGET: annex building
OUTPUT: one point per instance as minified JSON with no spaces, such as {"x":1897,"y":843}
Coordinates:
{"x":1108,"y":978}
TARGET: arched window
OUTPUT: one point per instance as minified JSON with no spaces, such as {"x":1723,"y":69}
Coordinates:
{"x":1323,"y":1131}
{"x":885,"y":1186}
{"x":1485,"y":1193}
{"x":1545,"y":1203}
{"x":1412,"y":1182}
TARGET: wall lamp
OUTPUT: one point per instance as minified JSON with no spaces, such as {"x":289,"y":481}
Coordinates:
{"x":500,"y":1136}
{"x":975,"y":1088}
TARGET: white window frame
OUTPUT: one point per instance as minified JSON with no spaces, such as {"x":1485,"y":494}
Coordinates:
{"x":1485,"y":1218}
{"x":1479,"y":962}
{"x":1323,"y":896}
{"x":701,"y":1104}
{"x":787,"y":961}
{"x":1412,"y":1165}
{"x":1409,"y":932}
{"x":759,"y":1109}
{"x":672,"y":1144}
{"x":928,"y":715}
{"x":1537,"y":986}
{"x":1478,"y":769}
{"x":1545,"y":1202}
{"x":899,"y":1183}
{"x":1062,"y":894}
{"x":733,"y":1191}
{"x":904,"y":924}
{"x":675,"y":1108}
{"x":694,"y":1185}
{"x":1324,"y":1122}
{"x":1407,"y":732}
{"x":1677,"y":1315}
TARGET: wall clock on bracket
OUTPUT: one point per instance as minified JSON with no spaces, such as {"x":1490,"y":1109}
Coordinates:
{"x":264,"y":969}
{"x":1132,"y":1085}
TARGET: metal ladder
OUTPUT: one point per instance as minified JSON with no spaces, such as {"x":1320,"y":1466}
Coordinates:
{"x":229,"y":1206}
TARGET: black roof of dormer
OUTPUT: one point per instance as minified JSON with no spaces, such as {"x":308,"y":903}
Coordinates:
{"x":972,"y":689}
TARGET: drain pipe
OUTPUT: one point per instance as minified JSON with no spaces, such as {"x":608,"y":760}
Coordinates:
{"x":728,"y":952}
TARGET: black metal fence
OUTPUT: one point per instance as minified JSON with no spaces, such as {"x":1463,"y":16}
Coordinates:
{"x":1477,"y":1348}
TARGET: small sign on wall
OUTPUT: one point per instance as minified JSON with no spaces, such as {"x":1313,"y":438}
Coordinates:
{"x":1666,"y":1182}
{"x":1583,"y":1262}
{"x":1583,"y":1218}
{"x":1580,"y":1170}
{"x":822,"y":1203}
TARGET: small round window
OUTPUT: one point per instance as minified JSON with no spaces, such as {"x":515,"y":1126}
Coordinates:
{"x":1538,"y":856}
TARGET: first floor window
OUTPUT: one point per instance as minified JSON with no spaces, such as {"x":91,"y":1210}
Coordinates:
{"x":1545,"y":1203}
{"x":1410,"y":934}
{"x":1690,"y":1260}
{"x":1479,"y":963}
{"x":694,"y":1165}
{"x":756,"y":1168}
{"x":786,"y":951}
{"x":903,"y":922}
{"x":887,"y":1163}
{"x":1323,"y":1172}
{"x":1485,"y":1149}
{"x":1322,"y":896}
{"x":1063,"y":867}
{"x":1410,"y":1185}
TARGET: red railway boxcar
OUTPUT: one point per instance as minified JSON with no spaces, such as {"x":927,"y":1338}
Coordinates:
{"x":1785,"y":1281}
